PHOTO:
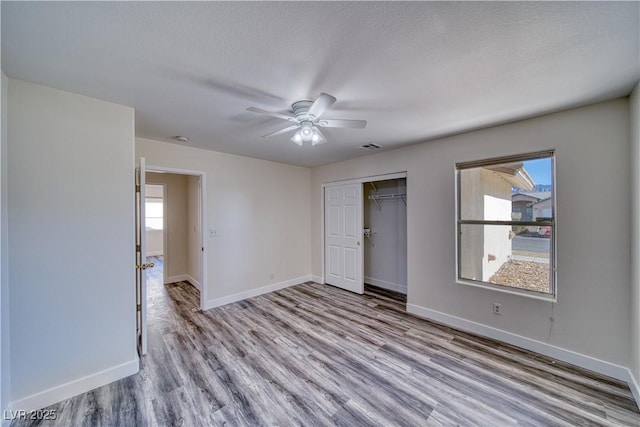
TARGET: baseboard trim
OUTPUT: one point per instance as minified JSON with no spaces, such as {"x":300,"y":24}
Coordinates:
{"x":183,"y":278}
{"x":174,"y":279}
{"x":587,"y":362}
{"x":318,"y":279}
{"x":217,"y":302}
{"x":154,"y":253}
{"x":396,"y":287}
{"x":634,"y":386}
{"x":194,"y":282}
{"x":73,"y":388}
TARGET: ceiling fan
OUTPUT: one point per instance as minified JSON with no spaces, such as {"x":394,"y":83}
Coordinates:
{"x":306,"y":119}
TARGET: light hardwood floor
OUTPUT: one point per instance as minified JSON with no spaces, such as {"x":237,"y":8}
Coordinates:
{"x":316,"y":355}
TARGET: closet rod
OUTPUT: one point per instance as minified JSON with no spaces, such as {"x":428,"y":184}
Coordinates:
{"x":387,"y":196}
{"x":375,"y":197}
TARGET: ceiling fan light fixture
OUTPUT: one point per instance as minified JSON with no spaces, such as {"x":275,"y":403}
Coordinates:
{"x":306,"y":131}
{"x":297,"y":138}
{"x":318,"y":137}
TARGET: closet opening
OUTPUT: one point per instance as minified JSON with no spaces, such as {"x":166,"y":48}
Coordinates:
{"x":385,"y":238}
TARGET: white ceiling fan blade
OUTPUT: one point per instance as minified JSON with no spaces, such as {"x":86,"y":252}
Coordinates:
{"x":321,"y":103}
{"x":271,"y":113}
{"x":337,"y":123}
{"x":280,"y":132}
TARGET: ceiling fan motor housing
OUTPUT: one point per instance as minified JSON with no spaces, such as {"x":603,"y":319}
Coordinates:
{"x":300,"y":109}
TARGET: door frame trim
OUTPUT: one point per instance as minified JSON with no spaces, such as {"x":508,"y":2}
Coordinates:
{"x":362,"y":180}
{"x":372,"y":178}
{"x":203,"y":217}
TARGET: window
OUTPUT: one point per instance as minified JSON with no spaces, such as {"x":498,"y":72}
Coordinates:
{"x":153,"y":207}
{"x":506,"y":223}
{"x":153,"y":211}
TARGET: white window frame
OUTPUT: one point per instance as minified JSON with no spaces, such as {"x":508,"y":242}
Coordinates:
{"x":552,"y":296}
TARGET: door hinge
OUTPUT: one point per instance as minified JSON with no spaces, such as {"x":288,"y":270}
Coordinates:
{"x":137,"y":188}
{"x":138,"y":248}
{"x":138,"y":307}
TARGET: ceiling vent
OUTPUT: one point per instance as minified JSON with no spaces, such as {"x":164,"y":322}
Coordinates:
{"x":370,"y":146}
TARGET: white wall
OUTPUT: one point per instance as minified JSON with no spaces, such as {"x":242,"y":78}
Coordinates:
{"x":592,"y":314}
{"x":5,"y":354}
{"x":176,"y":263}
{"x":385,"y":265}
{"x":260,"y":211}
{"x":194,"y":233}
{"x":71,"y":242}
{"x":155,"y":242}
{"x":635,"y":237}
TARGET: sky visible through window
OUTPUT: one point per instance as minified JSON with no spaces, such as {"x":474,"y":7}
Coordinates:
{"x":539,"y":170}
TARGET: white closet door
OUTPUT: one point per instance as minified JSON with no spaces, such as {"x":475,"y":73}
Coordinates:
{"x":343,"y":237}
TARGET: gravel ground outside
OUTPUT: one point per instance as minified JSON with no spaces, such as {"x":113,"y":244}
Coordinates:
{"x":532,"y":276}
{"x":532,"y":254}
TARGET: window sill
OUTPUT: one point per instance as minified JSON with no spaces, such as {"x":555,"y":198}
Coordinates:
{"x":508,"y":290}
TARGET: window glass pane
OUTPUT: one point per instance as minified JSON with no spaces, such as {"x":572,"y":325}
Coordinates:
{"x":510,"y":191}
{"x":153,"y":213}
{"x":153,"y":208}
{"x":496,"y":255}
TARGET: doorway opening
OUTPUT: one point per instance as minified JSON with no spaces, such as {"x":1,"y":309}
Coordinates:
{"x":170,"y":243}
{"x":181,"y":229}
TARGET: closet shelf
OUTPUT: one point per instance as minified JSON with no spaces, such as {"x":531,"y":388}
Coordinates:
{"x":375,"y":197}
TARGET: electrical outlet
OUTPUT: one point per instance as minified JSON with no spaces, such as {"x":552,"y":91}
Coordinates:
{"x":497,"y":308}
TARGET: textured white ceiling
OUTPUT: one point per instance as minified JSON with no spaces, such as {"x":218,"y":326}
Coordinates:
{"x":414,"y":70}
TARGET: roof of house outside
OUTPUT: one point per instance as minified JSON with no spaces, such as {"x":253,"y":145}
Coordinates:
{"x":539,"y":195}
{"x":539,"y":202}
{"x":515,"y":174}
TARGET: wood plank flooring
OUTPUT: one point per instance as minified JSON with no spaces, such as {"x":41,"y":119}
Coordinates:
{"x":315,"y":355}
